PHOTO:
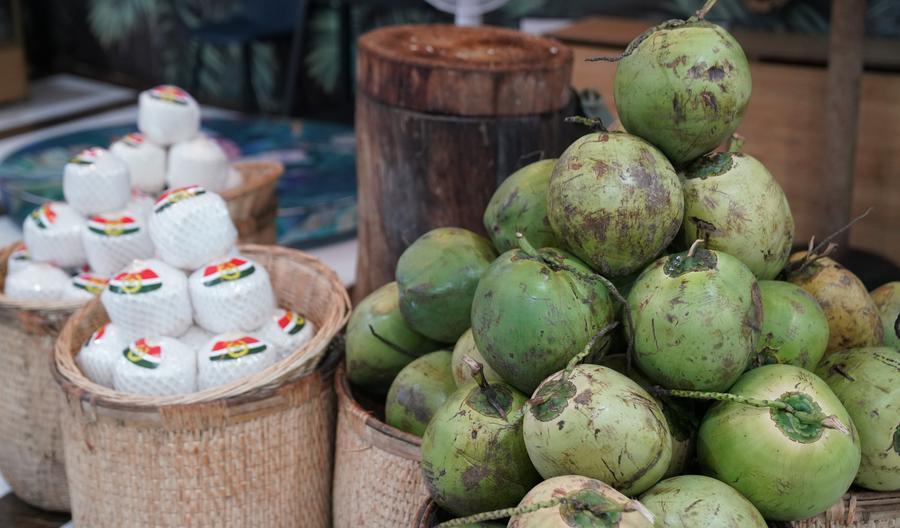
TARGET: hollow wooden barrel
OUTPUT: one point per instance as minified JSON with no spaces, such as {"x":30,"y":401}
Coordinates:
{"x":443,"y":115}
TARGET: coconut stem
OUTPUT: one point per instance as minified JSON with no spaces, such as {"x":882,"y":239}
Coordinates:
{"x":594,"y":123}
{"x":693,"y":248}
{"x":736,"y":143}
{"x":486,"y":389}
{"x":815,"y":253}
{"x":809,"y":418}
{"x":589,"y":347}
{"x":390,"y":344}
{"x":596,"y":511}
{"x":633,"y":45}
{"x":705,"y":9}
{"x":526,"y":246}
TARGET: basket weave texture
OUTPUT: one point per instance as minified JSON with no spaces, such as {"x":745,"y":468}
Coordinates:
{"x":253,"y":204}
{"x":254,"y":453}
{"x":858,"y":509}
{"x":377,"y":480}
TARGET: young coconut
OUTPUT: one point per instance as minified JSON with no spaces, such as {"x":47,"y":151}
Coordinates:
{"x":590,"y":420}
{"x":583,"y":502}
{"x":782,"y":439}
{"x":473,"y":452}
{"x":887,"y":300}
{"x":519,"y":205}
{"x":379,"y":342}
{"x":462,"y":374}
{"x":437,"y":276}
{"x":418,"y":392}
{"x":853,"y":319}
{"x":535,"y":309}
{"x":682,"y":420}
{"x":867,"y":381}
{"x":691,"y":501}
{"x":697,"y":318}
{"x":683,"y":86}
{"x":615,"y":201}
{"x":794,"y":328}
{"x":735,"y":205}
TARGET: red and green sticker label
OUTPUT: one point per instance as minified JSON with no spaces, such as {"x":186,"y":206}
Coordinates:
{"x":20,"y":254}
{"x":89,"y":283}
{"x":236,"y":349}
{"x":133,"y":140}
{"x":113,"y":226}
{"x":44,"y":216}
{"x":170,"y":198}
{"x":230,"y":270}
{"x":292,"y":323}
{"x":134,"y":282}
{"x":96,"y":336}
{"x":87,"y":156}
{"x":169,"y":94}
{"x":143,"y":354}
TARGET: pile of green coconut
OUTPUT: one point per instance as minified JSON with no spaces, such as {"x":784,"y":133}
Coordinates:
{"x":636,"y":345}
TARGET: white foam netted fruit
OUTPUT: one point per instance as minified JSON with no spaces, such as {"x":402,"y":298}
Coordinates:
{"x":195,"y":337}
{"x":112,"y":240}
{"x":146,"y":161}
{"x":191,"y":226}
{"x":156,"y":366}
{"x":140,"y":204}
{"x":232,"y":356}
{"x":98,"y":357}
{"x":149,"y":298}
{"x":231,"y":294}
{"x":95,"y":181}
{"x":167,"y":115}
{"x":52,"y":233}
{"x":17,"y":259}
{"x":287,"y":331}
{"x":85,"y":285}
{"x":199,"y":161}
{"x":37,"y":281}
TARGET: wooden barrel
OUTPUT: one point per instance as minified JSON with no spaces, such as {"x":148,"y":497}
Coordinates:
{"x":443,"y":115}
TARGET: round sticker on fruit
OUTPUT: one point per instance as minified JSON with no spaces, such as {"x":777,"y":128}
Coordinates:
{"x":236,"y":349}
{"x":144,"y":354}
{"x":113,"y":226}
{"x":44,"y":216}
{"x":20,"y":253}
{"x":89,"y":283}
{"x":291,"y":323}
{"x":134,"y":140}
{"x":169,"y":94}
{"x":170,"y":198}
{"x":229,"y":270}
{"x":88,"y":156}
{"x":130,"y":283}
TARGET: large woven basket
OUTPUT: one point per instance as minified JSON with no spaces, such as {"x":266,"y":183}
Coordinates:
{"x":377,"y":480}
{"x":253,"y":204}
{"x":254,"y":453}
{"x":31,"y":451}
{"x":858,"y":509}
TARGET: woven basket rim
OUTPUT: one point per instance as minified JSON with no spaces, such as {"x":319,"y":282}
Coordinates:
{"x":253,"y":388}
{"x":426,"y":513}
{"x":266,"y":173}
{"x":345,"y":394}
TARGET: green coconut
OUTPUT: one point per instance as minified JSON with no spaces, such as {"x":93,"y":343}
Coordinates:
{"x":697,"y":319}
{"x":867,"y":381}
{"x":533,"y":311}
{"x":887,"y":300}
{"x":692,"y":501}
{"x":418,"y":392}
{"x":794,"y":329}
{"x":462,"y":374}
{"x":473,"y":455}
{"x":853,"y":318}
{"x":437,"y":276}
{"x":615,"y":201}
{"x":593,"y":505}
{"x":519,"y":205}
{"x":680,"y":417}
{"x":595,"y":422}
{"x":684,"y":87}
{"x":789,"y":467}
{"x":372,"y":363}
{"x":733,"y":203}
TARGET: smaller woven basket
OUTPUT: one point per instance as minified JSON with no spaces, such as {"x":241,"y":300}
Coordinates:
{"x":428,"y":515}
{"x":253,"y":204}
{"x":858,"y":509}
{"x":255,"y":453}
{"x":31,"y":450}
{"x":377,"y":480}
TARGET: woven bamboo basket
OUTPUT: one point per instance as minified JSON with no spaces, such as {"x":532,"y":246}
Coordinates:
{"x":377,"y":480}
{"x":31,"y":450}
{"x":253,"y":453}
{"x":858,"y":509}
{"x":428,"y":515}
{"x":253,"y":204}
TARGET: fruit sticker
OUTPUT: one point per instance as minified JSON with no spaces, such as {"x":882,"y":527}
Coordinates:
{"x":143,"y":354}
{"x":96,"y":336}
{"x":89,"y":283}
{"x":230,"y":270}
{"x":291,"y":323}
{"x":44,"y":216}
{"x":133,"y":140}
{"x":20,"y":254}
{"x":113,"y":226}
{"x":88,"y":156}
{"x":135,"y":282}
{"x":170,"y":198}
{"x":236,"y":349}
{"x":169,"y":94}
